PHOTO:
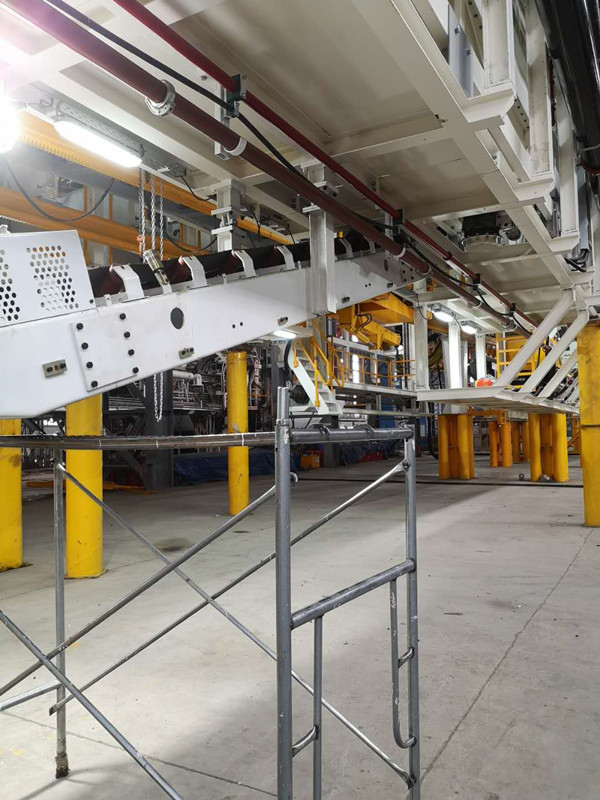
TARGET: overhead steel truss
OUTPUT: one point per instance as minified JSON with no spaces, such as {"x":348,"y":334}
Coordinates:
{"x":282,"y":438}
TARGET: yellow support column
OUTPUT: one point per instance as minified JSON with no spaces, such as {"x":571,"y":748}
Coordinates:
{"x":525,"y":439}
{"x":83,"y":516}
{"x":546,"y":443}
{"x":494,"y":442}
{"x":560,"y":448}
{"x":535,"y":448}
{"x":453,"y":444}
{"x":463,"y":447}
{"x":506,"y":443}
{"x":588,"y":358}
{"x":443,"y":448}
{"x":237,"y":422}
{"x":515,"y":434}
{"x":471,"y":448}
{"x":11,"y":528}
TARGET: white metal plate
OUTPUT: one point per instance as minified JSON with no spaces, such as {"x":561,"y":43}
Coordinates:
{"x":216,"y":317}
{"x":42,"y":275}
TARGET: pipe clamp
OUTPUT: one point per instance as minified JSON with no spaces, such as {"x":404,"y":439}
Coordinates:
{"x":165,"y":106}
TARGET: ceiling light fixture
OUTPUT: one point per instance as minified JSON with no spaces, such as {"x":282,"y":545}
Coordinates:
{"x":282,"y":333}
{"x":441,"y":313}
{"x":97,"y":144}
{"x":468,"y":328}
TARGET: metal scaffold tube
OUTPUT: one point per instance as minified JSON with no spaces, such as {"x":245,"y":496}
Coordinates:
{"x":412,"y":628}
{"x":62,"y":760}
{"x":96,"y":714}
{"x":283,"y":436}
{"x":170,"y":567}
{"x":283,"y":600}
{"x":397,"y":469}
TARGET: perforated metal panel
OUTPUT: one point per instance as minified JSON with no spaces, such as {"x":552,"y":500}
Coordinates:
{"x":42,"y":275}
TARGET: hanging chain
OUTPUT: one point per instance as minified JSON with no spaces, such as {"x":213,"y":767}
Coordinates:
{"x":159,"y":382}
{"x":161,"y":219}
{"x":153,"y":212}
{"x":142,"y":214}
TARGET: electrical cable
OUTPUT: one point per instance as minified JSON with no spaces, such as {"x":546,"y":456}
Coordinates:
{"x":270,"y":147}
{"x":101,"y":31}
{"x":86,"y":21}
{"x":192,"y":192}
{"x":572,"y":263}
{"x":41,"y":211}
{"x":257,"y":220}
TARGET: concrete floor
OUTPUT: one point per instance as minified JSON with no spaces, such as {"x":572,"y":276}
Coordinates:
{"x":509,"y":601}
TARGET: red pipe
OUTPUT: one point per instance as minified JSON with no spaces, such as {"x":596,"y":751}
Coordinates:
{"x":93,"y":49}
{"x":198,"y":58}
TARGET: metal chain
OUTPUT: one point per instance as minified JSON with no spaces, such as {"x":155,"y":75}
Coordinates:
{"x":153,"y":212}
{"x":142,"y":213}
{"x":159,"y":382}
{"x":161,"y":219}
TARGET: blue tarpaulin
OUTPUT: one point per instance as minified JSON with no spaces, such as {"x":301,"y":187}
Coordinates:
{"x":191,"y":468}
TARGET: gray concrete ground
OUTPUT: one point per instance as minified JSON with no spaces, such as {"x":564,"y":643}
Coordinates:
{"x":509,"y":600}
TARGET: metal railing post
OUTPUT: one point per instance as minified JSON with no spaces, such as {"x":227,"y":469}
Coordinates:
{"x":283,"y":597}
{"x":413,"y":621}
{"x":62,"y":759}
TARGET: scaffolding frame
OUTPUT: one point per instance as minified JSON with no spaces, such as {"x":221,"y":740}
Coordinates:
{"x":282,"y":438}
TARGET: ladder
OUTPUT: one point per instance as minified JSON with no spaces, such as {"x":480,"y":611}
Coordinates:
{"x":311,"y":366}
{"x":288,"y":622}
{"x":507,"y":347}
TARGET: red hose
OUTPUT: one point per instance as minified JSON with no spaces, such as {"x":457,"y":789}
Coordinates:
{"x":93,"y":49}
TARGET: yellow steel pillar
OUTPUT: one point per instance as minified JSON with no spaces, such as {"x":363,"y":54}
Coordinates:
{"x":535,"y":448}
{"x":506,"y":443}
{"x":83,"y":516}
{"x":443,"y":448}
{"x":471,"y":447}
{"x":560,"y":448}
{"x":463,"y":429}
{"x":515,"y":433}
{"x":546,"y":443}
{"x":494,"y":442}
{"x":11,"y":529}
{"x":237,"y":422}
{"x":453,"y":444}
{"x":588,"y":357}
{"x":525,"y":439}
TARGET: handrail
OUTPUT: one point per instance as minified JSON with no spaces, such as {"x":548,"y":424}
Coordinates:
{"x":317,"y":374}
{"x":333,"y":601}
{"x":338,"y":374}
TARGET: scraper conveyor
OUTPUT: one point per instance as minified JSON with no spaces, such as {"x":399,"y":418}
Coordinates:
{"x":67,"y":332}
